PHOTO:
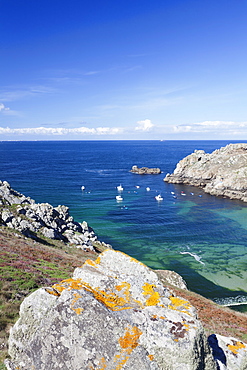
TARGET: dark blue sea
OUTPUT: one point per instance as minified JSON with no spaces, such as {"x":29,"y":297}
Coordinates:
{"x":202,"y":237}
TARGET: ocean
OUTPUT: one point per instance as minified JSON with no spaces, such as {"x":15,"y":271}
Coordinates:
{"x":201,"y":237}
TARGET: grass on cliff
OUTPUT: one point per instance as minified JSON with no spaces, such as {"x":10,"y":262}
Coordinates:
{"x":26,"y":265}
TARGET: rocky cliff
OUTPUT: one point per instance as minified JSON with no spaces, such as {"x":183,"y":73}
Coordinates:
{"x":223,"y":172}
{"x":115,"y":314}
{"x":41,"y":220}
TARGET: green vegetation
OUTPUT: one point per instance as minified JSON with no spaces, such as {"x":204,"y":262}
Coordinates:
{"x":26,"y":265}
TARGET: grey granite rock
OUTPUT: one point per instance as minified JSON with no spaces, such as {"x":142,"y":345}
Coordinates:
{"x":145,"y":170}
{"x":30,"y":218}
{"x":113,"y":314}
{"x":223,"y":172}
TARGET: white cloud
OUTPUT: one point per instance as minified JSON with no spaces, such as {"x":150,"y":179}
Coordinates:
{"x":91,"y":73}
{"x":223,"y":127}
{"x":61,"y":131}
{"x":3,"y":108}
{"x":145,"y":125}
{"x":17,"y":93}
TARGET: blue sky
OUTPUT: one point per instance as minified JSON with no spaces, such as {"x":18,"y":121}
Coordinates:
{"x":110,"y":70}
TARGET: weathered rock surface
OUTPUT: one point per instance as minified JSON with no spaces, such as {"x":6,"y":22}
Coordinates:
{"x":145,"y":170}
{"x":171,"y":277}
{"x":113,"y":314}
{"x":33,"y":219}
{"x":223,"y":172}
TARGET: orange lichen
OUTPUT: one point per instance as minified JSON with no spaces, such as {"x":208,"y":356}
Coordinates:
{"x":77,"y":310}
{"x":91,"y":263}
{"x":151,"y":357}
{"x":134,"y":260}
{"x":235,"y":348}
{"x":102,"y":364}
{"x":97,"y":261}
{"x":128,"y":342}
{"x":110,"y":300}
{"x":68,"y":284}
{"x":154,"y":297}
{"x":116,"y":301}
{"x":179,"y":304}
{"x":124,"y":284}
{"x":130,"y":339}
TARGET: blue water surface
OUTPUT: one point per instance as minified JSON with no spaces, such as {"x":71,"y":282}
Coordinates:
{"x":203,"y":238}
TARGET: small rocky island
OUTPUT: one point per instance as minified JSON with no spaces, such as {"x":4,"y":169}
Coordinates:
{"x":145,"y":170}
{"x":222,"y":173}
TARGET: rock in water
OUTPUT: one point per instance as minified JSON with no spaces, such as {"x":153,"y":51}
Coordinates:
{"x":145,"y":170}
{"x":113,"y":314}
{"x":223,"y":172}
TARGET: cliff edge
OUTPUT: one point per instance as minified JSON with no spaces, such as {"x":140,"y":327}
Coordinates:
{"x":223,"y":172}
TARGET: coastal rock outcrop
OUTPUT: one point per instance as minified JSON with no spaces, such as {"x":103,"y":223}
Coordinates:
{"x":42,"y":219}
{"x":145,"y":170}
{"x":223,"y":172}
{"x":113,"y":314}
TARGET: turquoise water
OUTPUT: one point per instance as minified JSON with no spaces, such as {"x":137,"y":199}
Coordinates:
{"x":203,"y":238}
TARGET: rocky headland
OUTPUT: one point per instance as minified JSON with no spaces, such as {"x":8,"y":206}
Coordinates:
{"x":42,"y":220}
{"x":145,"y":170}
{"x":222,"y":173}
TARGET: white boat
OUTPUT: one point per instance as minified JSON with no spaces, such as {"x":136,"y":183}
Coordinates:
{"x":148,"y":189}
{"x":158,"y":197}
{"x":82,"y":187}
{"x":137,"y":186}
{"x":120,"y":188}
{"x":119,"y":198}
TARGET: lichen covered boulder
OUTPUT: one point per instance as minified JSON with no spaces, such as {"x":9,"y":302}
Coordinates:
{"x":113,"y":314}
